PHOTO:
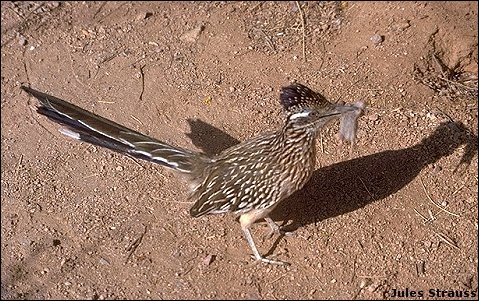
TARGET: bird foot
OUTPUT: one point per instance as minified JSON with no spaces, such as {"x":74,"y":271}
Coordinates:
{"x":270,"y":261}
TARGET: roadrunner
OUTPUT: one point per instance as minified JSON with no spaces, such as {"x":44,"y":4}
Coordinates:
{"x":249,"y":179}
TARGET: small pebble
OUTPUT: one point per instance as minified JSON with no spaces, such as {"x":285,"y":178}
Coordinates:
{"x":377,"y":39}
{"x":22,"y":40}
{"x":103,"y":261}
{"x":373,"y":286}
{"x":143,"y":16}
{"x":209,"y":259}
{"x":402,"y":26}
{"x":192,"y":35}
{"x":324,"y":27}
{"x":364,"y":282}
{"x":373,"y":117}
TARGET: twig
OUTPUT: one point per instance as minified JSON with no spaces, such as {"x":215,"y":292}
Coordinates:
{"x":425,"y":219}
{"x":15,"y":11}
{"x":37,"y":6}
{"x":20,"y":161}
{"x":132,"y":247}
{"x":90,"y":176}
{"x":112,"y":11}
{"x":136,"y":162}
{"x":447,"y":240}
{"x":278,"y":278}
{"x":445,"y":114}
{"x":457,"y":190}
{"x":372,"y":276}
{"x":25,"y":68}
{"x":98,"y":10}
{"x":303,"y":25}
{"x":365,"y":187}
{"x":257,"y":5}
{"x":76,"y":76}
{"x":171,"y":231}
{"x":457,"y":83}
{"x":321,"y":142}
{"x":439,"y":64}
{"x":175,"y":202}
{"x":142,"y":82}
{"x":374,"y":89}
{"x":136,"y":119}
{"x":440,"y":207}
{"x":353,"y":274}
{"x":268,"y":40}
{"x":108,"y":58}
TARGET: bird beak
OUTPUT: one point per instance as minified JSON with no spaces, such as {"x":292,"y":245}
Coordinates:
{"x":344,"y":108}
{"x":339,"y":110}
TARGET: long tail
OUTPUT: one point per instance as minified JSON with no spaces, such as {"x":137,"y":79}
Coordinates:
{"x":86,"y":126}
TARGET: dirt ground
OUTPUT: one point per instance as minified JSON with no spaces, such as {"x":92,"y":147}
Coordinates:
{"x":399,"y":213}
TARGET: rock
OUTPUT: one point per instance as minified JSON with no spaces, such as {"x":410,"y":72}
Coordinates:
{"x":192,"y":35}
{"x":143,"y":16}
{"x":22,"y":41}
{"x":365,"y":282}
{"x":377,"y":39}
{"x":103,"y":261}
{"x":437,"y":168}
{"x":401,"y":26}
{"x":209,"y":259}
{"x":373,"y":117}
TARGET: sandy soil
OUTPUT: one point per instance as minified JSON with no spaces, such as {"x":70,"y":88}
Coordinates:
{"x":398,"y":213}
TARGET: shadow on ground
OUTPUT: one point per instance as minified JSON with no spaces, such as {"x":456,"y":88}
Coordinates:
{"x":209,"y":139}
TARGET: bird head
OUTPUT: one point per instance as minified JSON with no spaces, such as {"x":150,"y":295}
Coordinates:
{"x":306,"y":108}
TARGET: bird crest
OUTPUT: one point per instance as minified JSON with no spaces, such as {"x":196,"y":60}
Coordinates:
{"x":297,"y":97}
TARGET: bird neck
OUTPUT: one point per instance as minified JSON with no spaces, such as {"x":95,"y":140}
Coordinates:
{"x":298,"y":135}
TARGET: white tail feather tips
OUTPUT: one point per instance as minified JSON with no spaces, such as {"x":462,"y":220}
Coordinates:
{"x":70,"y":133}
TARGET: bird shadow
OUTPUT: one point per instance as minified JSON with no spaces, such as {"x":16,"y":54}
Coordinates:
{"x":209,"y":139}
{"x":349,"y":185}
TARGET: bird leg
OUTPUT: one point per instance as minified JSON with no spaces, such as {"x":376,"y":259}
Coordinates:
{"x":256,"y":254}
{"x":246,"y":220}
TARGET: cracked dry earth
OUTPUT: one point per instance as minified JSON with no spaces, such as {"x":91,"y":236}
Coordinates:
{"x":395,"y":215}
